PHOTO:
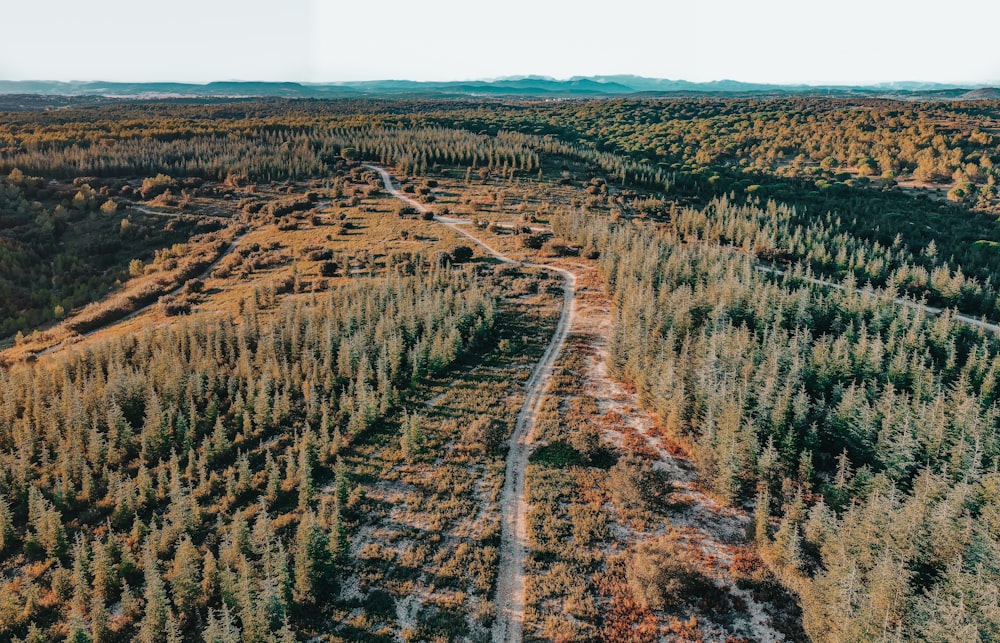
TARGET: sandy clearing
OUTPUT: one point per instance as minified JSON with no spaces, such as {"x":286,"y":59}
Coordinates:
{"x":712,"y":529}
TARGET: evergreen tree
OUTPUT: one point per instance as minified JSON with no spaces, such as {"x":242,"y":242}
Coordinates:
{"x":221,"y":628}
{"x":154,"y":627}
{"x":7,"y":534}
{"x":312,"y":560}
{"x":185,"y":578}
{"x":412,"y":437}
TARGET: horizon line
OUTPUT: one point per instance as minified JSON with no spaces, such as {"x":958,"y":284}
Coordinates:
{"x":599,"y":78}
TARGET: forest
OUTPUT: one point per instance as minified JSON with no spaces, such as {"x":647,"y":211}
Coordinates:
{"x":250,"y":390}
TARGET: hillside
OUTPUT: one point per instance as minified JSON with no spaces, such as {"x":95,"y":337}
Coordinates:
{"x":433,"y":369}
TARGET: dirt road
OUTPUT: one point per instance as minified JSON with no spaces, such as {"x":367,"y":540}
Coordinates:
{"x":931,"y":311}
{"x":513,"y":500}
{"x":185,"y":216}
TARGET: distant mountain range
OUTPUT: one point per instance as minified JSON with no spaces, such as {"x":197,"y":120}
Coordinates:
{"x":524,"y":86}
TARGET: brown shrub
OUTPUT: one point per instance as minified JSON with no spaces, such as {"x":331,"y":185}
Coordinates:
{"x":663,"y":574}
{"x":485,"y":434}
{"x":634,"y":484}
{"x":559,"y":248}
{"x":534,"y":241}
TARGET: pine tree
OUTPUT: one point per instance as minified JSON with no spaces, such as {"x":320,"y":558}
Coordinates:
{"x":254,"y":628}
{"x":273,"y":485}
{"x":412,"y":436}
{"x":306,"y":490}
{"x":174,"y":634}
{"x":7,"y":534}
{"x":51,"y":533}
{"x":209,"y":577}
{"x":339,"y":543}
{"x":78,"y":631}
{"x":185,"y":577}
{"x":131,"y":606}
{"x":81,"y":572}
{"x":786,"y":550}
{"x":285,"y":634}
{"x":341,"y":483}
{"x":100,"y":620}
{"x":271,"y":605}
{"x":220,"y":440}
{"x":154,"y":627}
{"x":221,"y":627}
{"x":155,"y":436}
{"x":762,"y":516}
{"x":311,"y":558}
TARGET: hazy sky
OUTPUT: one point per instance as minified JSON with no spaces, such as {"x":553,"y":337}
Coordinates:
{"x":784,"y":41}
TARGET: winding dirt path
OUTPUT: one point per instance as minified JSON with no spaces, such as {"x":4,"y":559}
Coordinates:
{"x":513,"y":499}
{"x":185,"y":216}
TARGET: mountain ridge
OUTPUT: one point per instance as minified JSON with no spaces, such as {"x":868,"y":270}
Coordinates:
{"x":523,"y":86}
